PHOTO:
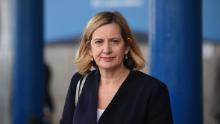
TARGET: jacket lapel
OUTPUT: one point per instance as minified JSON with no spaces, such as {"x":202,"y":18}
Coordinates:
{"x":86,"y":111}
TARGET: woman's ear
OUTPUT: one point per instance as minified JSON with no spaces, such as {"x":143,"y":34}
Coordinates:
{"x":127,"y":49}
{"x":128,"y":45}
{"x":90,"y":52}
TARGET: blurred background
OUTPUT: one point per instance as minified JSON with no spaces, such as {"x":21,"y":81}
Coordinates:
{"x":39,"y":39}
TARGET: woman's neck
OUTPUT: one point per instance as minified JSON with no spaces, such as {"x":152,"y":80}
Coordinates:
{"x":111,"y":77}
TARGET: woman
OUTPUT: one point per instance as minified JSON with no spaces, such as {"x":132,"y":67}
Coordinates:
{"x":115,"y":92}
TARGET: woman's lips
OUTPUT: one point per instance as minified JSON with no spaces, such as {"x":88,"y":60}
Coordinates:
{"x":107,"y":59}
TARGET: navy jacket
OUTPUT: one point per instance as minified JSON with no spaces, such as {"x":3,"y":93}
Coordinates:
{"x":141,"y":99}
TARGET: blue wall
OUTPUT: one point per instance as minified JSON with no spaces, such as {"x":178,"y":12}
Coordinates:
{"x":67,"y":18}
{"x":211,"y":19}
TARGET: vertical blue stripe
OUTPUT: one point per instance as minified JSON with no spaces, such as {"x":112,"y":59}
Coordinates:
{"x":27,"y":102}
{"x":176,"y":56}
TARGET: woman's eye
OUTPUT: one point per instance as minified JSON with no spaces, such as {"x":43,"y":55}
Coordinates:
{"x":116,"y":41}
{"x":98,"y":42}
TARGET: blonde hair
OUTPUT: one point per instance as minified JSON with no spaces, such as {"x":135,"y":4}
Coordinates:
{"x":84,"y":61}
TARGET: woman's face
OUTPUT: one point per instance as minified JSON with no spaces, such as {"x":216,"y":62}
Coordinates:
{"x":108,"y":47}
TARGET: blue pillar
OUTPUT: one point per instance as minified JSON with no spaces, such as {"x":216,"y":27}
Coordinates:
{"x":175,"y":55}
{"x":27,"y":102}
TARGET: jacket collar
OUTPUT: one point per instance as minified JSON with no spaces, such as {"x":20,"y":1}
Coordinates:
{"x":86,"y":111}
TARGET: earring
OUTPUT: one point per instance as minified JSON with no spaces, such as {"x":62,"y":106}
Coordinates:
{"x":126,"y":57}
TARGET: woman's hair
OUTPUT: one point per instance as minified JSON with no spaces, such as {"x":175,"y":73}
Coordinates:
{"x":84,"y":61}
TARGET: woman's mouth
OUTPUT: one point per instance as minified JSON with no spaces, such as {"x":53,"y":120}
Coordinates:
{"x":107,"y":59}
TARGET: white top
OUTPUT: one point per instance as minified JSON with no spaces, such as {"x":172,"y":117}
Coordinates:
{"x":99,"y":113}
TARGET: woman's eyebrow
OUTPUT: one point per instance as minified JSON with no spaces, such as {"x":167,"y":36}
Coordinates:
{"x":116,"y":38}
{"x":111,"y":38}
{"x":97,"y":39}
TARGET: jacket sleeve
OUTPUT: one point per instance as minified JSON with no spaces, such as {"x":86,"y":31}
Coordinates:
{"x":69,"y":106}
{"x":159,"y":110}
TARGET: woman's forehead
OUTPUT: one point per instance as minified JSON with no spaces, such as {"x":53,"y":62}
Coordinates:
{"x":108,"y":30}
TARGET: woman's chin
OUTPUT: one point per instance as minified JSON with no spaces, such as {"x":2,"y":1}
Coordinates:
{"x":109,"y":66}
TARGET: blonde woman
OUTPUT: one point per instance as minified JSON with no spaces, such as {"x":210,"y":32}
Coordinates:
{"x":114,"y":91}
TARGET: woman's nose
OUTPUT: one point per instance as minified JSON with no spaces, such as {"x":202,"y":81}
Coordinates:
{"x":107,"y":48}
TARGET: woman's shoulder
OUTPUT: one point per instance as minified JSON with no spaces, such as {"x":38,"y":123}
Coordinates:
{"x":76,"y":76}
{"x":146,"y":79}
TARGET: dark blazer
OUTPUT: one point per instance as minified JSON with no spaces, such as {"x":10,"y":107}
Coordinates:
{"x":141,"y":99}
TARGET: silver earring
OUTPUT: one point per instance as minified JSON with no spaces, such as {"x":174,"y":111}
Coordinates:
{"x":126,"y":57}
